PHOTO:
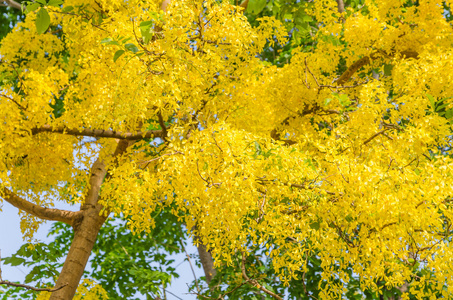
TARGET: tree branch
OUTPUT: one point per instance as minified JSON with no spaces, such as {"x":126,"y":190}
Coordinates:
{"x":99,"y":133}
{"x":13,"y":4}
{"x":373,"y":136}
{"x":98,"y":173}
{"x":254,"y":282}
{"x":6,"y":282}
{"x":340,"y":6}
{"x":367,"y":60}
{"x":44,"y":213}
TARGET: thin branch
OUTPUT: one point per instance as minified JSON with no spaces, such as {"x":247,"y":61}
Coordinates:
{"x":343,"y":86}
{"x":374,"y":135}
{"x":173,"y":294}
{"x":303,"y":282}
{"x":308,"y":69}
{"x":262,"y":213}
{"x":191,"y":267}
{"x":162,"y":124}
{"x":157,"y":158}
{"x":254,"y":282}
{"x":53,"y":214}
{"x":199,"y":173}
{"x":14,"y":101}
{"x":6,"y":282}
{"x":13,"y":4}
{"x":99,"y":133}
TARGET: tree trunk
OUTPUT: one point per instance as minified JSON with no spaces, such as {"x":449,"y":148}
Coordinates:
{"x":86,"y":229}
{"x":207,"y":262}
{"x":85,"y":234}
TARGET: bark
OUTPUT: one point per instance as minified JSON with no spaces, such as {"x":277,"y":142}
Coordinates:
{"x":207,"y":262}
{"x":164,"y":5}
{"x":65,"y":216}
{"x":13,"y":4}
{"x":99,"y":133}
{"x":85,"y":230}
{"x":85,"y":233}
{"x":367,"y":60}
{"x":340,"y":6}
{"x":84,"y":238}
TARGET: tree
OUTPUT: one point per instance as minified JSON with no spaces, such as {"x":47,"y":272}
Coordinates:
{"x":342,"y":155}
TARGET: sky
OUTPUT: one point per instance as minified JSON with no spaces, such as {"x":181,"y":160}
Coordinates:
{"x":11,"y":240}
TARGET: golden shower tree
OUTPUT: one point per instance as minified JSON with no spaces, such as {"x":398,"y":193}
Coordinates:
{"x":344,"y":153}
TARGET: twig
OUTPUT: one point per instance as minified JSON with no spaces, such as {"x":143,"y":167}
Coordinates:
{"x":303,"y":282}
{"x":373,"y":136}
{"x":343,"y":86}
{"x":173,"y":294}
{"x":6,"y":282}
{"x":15,"y":102}
{"x":343,"y":236}
{"x":191,"y":267}
{"x":260,"y":217}
{"x":342,"y":174}
{"x":159,"y":157}
{"x":198,"y":169}
{"x":215,"y":141}
{"x":254,"y":282}
{"x":307,"y":68}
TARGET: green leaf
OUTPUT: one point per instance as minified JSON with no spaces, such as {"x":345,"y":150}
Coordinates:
{"x":315,"y":225}
{"x":258,"y":150}
{"x":327,"y":101}
{"x":440,"y":107}
{"x":125,"y":39}
{"x":55,"y":3}
{"x":432,"y":101}
{"x":388,"y":69}
{"x":43,"y":2}
{"x":131,"y":47}
{"x":32,"y":7}
{"x":106,"y":40}
{"x":449,"y":114}
{"x":147,"y":23}
{"x":117,"y":55}
{"x":13,"y":261}
{"x":67,"y":8}
{"x":42,"y":20}
{"x":344,"y":100}
{"x":256,"y":6}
